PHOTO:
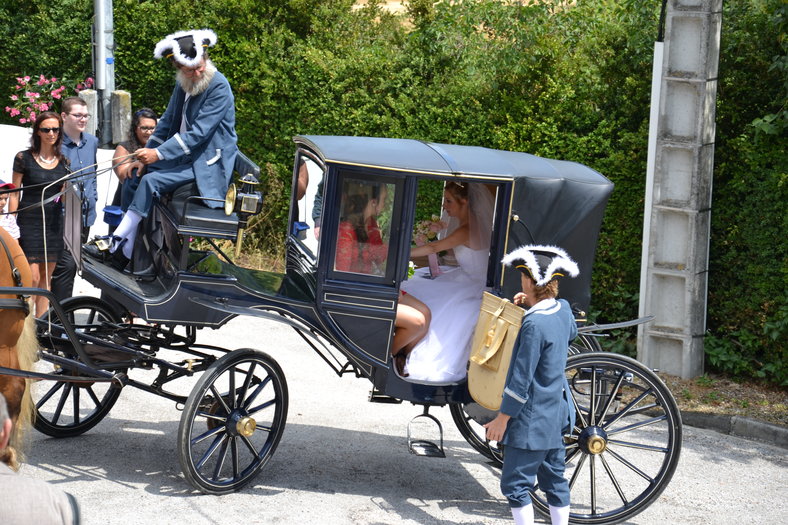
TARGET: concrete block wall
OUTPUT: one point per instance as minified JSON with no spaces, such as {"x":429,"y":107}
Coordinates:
{"x":677,"y":236}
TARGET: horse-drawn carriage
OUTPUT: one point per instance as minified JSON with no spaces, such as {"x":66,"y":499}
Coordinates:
{"x":626,"y":442}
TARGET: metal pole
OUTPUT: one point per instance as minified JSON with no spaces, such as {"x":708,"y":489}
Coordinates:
{"x":105,"y":66}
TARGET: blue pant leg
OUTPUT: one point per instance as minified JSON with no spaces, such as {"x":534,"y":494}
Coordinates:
{"x":128,"y":189}
{"x":551,"y":478}
{"x":518,"y":474}
{"x":158,"y":182}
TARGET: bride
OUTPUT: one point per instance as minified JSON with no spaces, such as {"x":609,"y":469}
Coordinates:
{"x":453,"y":297}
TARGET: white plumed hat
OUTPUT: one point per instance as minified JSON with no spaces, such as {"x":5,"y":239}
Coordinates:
{"x":185,"y":47}
{"x":542,"y":263}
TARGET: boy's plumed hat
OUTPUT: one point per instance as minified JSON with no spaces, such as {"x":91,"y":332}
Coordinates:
{"x":542,"y":263}
{"x":185,"y":47}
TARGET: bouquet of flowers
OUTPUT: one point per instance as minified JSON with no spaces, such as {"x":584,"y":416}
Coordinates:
{"x":427,"y":230}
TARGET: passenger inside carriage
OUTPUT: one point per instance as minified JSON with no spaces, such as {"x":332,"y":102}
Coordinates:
{"x":362,"y":248}
{"x":453,"y":297}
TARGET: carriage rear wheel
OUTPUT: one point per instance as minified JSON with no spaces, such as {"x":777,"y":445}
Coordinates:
{"x":232,"y":421}
{"x":626,"y":442}
{"x":66,"y":409}
{"x":622,"y":453}
{"x":469,"y":417}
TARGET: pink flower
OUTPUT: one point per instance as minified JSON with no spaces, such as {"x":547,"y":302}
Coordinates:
{"x":53,"y":79}
{"x":56,"y":94}
{"x":33,"y":116}
{"x":14,"y":112}
{"x":14,"y":97}
{"x":22,"y":121}
{"x":27,"y":78}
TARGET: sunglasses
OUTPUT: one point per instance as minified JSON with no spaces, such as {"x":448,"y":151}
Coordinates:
{"x":49,"y":130}
{"x":147,"y":128}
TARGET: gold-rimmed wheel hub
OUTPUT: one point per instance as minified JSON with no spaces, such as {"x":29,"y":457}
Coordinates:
{"x":246,"y":426}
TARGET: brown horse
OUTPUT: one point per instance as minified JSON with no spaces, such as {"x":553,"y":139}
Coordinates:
{"x":18,"y":343}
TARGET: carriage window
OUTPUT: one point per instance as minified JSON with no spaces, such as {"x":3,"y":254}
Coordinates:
{"x":364,"y":227}
{"x":308,"y":207}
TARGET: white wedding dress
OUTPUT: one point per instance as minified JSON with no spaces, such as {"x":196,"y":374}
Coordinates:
{"x":453,"y":298}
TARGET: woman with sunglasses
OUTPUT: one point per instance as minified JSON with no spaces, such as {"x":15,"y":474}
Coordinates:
{"x":41,"y":229}
{"x":127,"y":169}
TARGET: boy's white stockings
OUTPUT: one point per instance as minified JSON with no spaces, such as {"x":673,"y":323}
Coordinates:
{"x":523,"y":515}
{"x":559,"y":515}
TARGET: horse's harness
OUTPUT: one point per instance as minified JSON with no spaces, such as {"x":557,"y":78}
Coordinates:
{"x":20,"y":302}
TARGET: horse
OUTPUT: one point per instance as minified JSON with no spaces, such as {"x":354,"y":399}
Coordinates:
{"x":18,"y":341}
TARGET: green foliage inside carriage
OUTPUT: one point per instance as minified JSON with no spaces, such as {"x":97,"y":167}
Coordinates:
{"x":560,"y":83}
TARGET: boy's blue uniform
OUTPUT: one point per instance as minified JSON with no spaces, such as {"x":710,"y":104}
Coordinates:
{"x":539,"y":408}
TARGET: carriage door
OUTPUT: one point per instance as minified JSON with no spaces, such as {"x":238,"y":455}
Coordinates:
{"x":359,"y":291}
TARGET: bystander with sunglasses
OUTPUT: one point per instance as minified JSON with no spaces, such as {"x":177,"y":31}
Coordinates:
{"x":40,"y":227}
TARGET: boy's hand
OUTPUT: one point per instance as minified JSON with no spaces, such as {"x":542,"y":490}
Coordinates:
{"x":519,"y":298}
{"x":497,"y":427}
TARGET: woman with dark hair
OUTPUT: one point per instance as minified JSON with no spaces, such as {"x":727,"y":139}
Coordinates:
{"x":40,"y":228}
{"x":143,"y":124}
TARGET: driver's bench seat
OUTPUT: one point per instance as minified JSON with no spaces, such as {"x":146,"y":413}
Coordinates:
{"x":184,"y":215}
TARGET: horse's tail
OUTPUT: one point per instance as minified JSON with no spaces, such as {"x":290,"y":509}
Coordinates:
{"x":27,"y":354}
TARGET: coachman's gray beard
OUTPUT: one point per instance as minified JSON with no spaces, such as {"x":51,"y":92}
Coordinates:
{"x":195,"y":88}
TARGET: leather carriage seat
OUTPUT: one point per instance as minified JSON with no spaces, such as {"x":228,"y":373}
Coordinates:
{"x":187,"y":209}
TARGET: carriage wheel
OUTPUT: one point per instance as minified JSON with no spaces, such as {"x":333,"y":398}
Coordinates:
{"x":232,"y":421}
{"x":469,"y":417}
{"x":65,"y":409}
{"x":626,"y":442}
{"x":584,"y":343}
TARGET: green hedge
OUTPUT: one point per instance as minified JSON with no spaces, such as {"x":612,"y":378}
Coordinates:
{"x":570,"y":83}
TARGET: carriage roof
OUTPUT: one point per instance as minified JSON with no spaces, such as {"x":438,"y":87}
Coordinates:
{"x":554,"y":201}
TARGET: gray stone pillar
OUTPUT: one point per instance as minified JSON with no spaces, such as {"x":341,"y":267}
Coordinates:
{"x":90,"y":97}
{"x":677,"y":222}
{"x":120,"y":108}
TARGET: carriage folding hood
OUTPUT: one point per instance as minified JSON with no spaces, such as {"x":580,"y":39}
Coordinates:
{"x":554,"y":202}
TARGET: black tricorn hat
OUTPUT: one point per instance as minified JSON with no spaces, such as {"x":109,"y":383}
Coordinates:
{"x":185,"y":47}
{"x":542,"y":263}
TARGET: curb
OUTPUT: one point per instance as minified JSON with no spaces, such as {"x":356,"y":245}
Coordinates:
{"x":739,"y":426}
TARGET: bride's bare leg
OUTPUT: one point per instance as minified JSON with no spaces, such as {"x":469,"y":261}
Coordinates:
{"x":411,"y":323}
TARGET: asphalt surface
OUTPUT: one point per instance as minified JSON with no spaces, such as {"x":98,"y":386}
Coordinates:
{"x":345,"y":460}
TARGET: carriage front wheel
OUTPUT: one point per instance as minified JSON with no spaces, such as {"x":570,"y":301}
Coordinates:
{"x":66,"y":408}
{"x":232,"y":421}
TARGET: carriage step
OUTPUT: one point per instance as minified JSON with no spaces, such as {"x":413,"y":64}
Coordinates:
{"x":424,"y":447}
{"x":376,"y":396}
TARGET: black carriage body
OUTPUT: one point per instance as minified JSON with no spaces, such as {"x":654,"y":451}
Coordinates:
{"x":537,"y":201}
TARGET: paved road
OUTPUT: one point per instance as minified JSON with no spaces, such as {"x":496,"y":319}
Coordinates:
{"x":344,"y":460}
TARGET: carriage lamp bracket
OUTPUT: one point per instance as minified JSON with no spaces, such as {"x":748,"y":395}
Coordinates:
{"x":244,"y":203}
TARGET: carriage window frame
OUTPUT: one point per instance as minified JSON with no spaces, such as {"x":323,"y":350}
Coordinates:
{"x":397,"y":201}
{"x":310,"y":245}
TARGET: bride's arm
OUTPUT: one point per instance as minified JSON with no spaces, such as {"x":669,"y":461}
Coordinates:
{"x":457,"y":237}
